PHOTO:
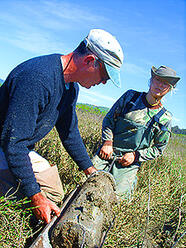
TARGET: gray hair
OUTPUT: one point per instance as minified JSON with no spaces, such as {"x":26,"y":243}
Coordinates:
{"x":82,"y":50}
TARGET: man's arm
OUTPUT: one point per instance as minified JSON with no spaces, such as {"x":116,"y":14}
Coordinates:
{"x":67,"y":127}
{"x":18,"y":131}
{"x":26,"y":100}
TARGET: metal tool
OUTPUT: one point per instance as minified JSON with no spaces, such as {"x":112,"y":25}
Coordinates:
{"x":43,"y":239}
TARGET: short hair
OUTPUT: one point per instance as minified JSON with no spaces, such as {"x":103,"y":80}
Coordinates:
{"x":82,"y":50}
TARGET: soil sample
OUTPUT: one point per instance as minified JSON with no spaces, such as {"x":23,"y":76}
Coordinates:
{"x":89,"y":216}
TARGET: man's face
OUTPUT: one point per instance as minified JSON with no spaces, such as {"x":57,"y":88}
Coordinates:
{"x":94,"y":74}
{"x":159,"y":87}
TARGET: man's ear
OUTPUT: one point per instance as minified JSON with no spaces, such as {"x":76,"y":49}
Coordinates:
{"x":89,"y":59}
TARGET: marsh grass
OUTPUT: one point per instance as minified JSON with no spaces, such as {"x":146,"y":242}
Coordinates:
{"x":14,"y":222}
{"x":153,"y":217}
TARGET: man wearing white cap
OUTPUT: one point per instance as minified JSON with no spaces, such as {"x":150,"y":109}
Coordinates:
{"x":36,"y":96}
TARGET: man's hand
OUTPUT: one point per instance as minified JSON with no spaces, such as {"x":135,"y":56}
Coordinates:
{"x":90,"y":170}
{"x":106,"y":150}
{"x":127,"y":159}
{"x":44,"y":207}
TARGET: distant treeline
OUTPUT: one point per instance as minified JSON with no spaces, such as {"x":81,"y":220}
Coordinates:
{"x":93,"y":109}
{"x":177,"y":130}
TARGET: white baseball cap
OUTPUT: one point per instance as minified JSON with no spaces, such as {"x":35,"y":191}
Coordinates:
{"x":106,"y":48}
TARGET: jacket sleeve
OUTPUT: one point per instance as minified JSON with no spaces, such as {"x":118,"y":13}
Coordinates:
{"x":116,"y":110}
{"x":67,"y":127}
{"x":159,"y":144}
{"x":18,"y":131}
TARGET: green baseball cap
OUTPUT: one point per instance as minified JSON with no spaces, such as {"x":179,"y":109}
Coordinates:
{"x":166,"y":73}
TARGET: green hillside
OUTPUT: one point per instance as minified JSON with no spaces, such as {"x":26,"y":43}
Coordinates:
{"x":92,"y":108}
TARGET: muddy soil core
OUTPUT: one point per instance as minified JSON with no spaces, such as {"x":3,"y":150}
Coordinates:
{"x":89,"y":216}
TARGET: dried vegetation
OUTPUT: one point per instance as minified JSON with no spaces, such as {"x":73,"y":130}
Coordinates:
{"x":153,"y":217}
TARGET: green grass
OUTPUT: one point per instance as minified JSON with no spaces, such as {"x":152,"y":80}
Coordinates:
{"x":14,"y":222}
{"x":153,"y":217}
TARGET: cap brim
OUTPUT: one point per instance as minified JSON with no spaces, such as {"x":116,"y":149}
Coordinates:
{"x":171,"y":80}
{"x":114,"y":75}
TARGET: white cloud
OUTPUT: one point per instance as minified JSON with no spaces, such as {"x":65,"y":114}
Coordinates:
{"x":96,"y":94}
{"x":66,"y":10}
{"x":175,"y":119}
{"x":177,"y":122}
{"x":35,"y":42}
{"x":134,"y":69}
{"x":93,"y":97}
{"x":88,"y":99}
{"x":36,"y":26}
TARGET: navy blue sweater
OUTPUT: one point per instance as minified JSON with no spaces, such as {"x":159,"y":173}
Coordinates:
{"x":33,"y":100}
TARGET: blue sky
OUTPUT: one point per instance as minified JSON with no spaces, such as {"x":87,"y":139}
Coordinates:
{"x":150,"y":33}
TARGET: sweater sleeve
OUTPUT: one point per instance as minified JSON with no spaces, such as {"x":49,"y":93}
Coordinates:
{"x":67,"y":127}
{"x":25,"y":103}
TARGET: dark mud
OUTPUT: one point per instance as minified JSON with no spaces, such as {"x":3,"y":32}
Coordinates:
{"x":89,"y":216}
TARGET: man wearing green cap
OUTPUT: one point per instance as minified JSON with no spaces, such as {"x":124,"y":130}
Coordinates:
{"x":136,"y":129}
{"x":42,"y":93}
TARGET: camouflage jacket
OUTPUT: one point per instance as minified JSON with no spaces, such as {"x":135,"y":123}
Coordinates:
{"x":140,"y":113}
